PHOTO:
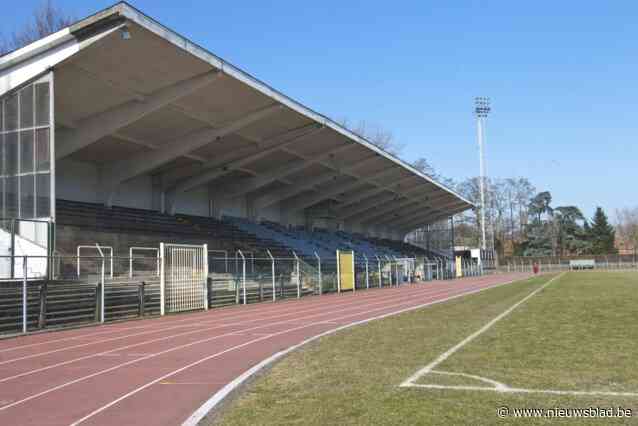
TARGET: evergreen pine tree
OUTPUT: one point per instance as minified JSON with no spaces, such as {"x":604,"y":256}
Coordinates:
{"x":601,"y":234}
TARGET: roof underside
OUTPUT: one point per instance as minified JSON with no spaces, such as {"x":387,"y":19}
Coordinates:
{"x":288,"y":154}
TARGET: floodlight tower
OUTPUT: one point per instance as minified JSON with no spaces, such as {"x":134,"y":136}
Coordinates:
{"x":481,"y":110}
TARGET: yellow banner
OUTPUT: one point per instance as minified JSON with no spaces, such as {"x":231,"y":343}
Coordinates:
{"x":345,"y":260}
{"x":459,"y":267}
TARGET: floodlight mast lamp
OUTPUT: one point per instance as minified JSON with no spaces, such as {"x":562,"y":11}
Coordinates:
{"x":481,"y":110}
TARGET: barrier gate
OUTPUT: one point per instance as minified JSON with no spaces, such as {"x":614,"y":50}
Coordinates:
{"x":183,"y":276}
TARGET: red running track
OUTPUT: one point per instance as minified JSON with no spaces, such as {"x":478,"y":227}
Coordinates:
{"x":159,"y":371}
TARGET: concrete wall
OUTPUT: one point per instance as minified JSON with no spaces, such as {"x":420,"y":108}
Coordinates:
{"x":233,"y":206}
{"x":194,"y":202}
{"x":271,"y":213}
{"x":80,"y":181}
{"x":69,"y":237}
{"x":76,"y":181}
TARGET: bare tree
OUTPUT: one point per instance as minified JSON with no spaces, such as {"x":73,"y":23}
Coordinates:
{"x":4,"y":46}
{"x":385,"y":140}
{"x":524,"y":193}
{"x":510,"y":188}
{"x":422,"y":165}
{"x":469,"y":223}
{"x":46,"y":20}
{"x":627,"y":226}
{"x":504,"y":197}
{"x":499,"y":200}
{"x":376,"y":134}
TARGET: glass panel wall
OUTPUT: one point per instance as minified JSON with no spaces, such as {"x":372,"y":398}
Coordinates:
{"x":25,"y":152}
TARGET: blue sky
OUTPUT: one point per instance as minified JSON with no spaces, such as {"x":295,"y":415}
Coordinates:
{"x":561,"y":76}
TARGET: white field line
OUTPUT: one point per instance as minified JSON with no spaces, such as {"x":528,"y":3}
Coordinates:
{"x":496,"y":386}
{"x":273,"y":357}
{"x":219,"y":396}
{"x":153,"y":330}
{"x":494,"y":383}
{"x":431,"y":366}
{"x":508,"y":389}
{"x":263,"y":318}
{"x":115,"y":367}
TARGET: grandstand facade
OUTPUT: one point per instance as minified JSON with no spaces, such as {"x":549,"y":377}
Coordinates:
{"x":119,"y":132}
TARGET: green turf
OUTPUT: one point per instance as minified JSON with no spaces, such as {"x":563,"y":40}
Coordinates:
{"x":580,"y":333}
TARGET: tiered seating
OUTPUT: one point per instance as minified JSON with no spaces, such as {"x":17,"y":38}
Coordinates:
{"x":398,"y":246}
{"x":167,"y":228}
{"x":362,"y":245}
{"x":229,"y":234}
{"x":325,"y":243}
{"x":301,"y":244}
{"x":407,"y":249}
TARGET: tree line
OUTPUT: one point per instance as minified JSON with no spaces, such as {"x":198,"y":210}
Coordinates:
{"x":542,"y":229}
{"x":523,"y":222}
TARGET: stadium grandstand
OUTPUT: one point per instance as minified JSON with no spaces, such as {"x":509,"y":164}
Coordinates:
{"x":137,"y":165}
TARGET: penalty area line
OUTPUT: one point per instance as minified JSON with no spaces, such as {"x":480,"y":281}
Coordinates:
{"x":522,"y":390}
{"x":410,"y":381}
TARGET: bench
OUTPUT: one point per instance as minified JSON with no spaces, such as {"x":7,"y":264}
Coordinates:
{"x":582,"y":264}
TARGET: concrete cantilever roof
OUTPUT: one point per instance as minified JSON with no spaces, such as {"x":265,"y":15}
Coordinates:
{"x":168,"y":83}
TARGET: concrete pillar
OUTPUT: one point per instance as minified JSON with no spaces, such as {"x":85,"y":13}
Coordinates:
{"x":250,"y":210}
{"x":156,"y":193}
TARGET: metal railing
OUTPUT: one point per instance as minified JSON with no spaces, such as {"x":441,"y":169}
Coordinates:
{"x":558,"y":260}
{"x":223,"y":263}
{"x":143,"y":258}
{"x":564,"y":264}
{"x":34,"y":299}
{"x":50,"y":291}
{"x":99,"y":250}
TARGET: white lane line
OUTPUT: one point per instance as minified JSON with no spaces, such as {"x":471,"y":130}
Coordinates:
{"x":198,"y":322}
{"x":215,"y":355}
{"x":219,"y":396}
{"x":115,"y":367}
{"x":65,"y":339}
{"x":189,"y":383}
{"x":96,"y":342}
{"x":111,"y":328}
{"x":219,"y":313}
{"x":284,"y":314}
{"x":445,"y":355}
{"x":249,"y":334}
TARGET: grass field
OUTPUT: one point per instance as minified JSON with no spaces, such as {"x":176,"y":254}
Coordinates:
{"x":578,"y":334}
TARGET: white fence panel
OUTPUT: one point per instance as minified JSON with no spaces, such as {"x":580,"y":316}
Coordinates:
{"x":183,"y":275}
